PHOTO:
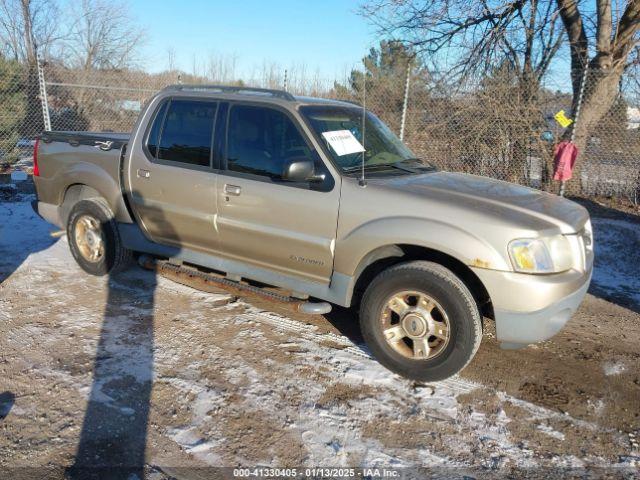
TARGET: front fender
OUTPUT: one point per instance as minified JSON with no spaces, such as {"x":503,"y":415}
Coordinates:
{"x":352,"y":249}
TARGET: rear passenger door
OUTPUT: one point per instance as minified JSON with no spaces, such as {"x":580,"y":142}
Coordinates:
{"x":173,"y":181}
{"x":262,"y":220}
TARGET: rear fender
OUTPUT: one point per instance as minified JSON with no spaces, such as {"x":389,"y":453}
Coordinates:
{"x":84,"y":181}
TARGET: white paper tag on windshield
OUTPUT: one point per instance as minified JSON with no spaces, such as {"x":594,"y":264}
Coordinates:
{"x":343,"y":142}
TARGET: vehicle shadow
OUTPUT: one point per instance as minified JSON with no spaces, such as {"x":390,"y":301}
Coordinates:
{"x":617,"y":254}
{"x":345,"y":320}
{"x":114,"y":430}
{"x":598,"y":209}
{"x":114,"y":434}
{"x":22,"y":233}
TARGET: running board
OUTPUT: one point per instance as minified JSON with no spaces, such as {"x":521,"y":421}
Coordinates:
{"x":209,"y":282}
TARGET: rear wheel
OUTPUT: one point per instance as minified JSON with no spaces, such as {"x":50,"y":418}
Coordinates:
{"x":420,"y":321}
{"x":94,"y":240}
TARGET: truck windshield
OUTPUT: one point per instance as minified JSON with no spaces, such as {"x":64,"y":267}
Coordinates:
{"x":340,"y":128}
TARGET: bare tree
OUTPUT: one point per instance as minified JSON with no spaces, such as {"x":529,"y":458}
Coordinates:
{"x":221,"y":68}
{"x":270,"y":75}
{"x":171,"y":59}
{"x":302,"y":80}
{"x":476,"y":35}
{"x":472,"y":37}
{"x":28,"y":27}
{"x":102,"y":35}
{"x":612,"y":37}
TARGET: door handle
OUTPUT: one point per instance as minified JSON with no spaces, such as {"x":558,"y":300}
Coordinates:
{"x":143,"y":173}
{"x":232,"y":190}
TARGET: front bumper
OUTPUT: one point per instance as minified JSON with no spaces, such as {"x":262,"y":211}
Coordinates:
{"x":533,"y":308}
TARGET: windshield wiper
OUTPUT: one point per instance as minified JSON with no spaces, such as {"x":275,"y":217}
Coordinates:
{"x":417,"y":164}
{"x":377,"y":166}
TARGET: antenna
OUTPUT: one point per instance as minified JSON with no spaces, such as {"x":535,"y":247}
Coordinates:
{"x":362,"y":182}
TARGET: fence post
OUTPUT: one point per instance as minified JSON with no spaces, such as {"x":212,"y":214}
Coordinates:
{"x":285,"y":79}
{"x":43,"y":95}
{"x":576,"y":117}
{"x":405,"y":100}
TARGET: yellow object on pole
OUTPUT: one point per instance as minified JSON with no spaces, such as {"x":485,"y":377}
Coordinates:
{"x":562,"y":119}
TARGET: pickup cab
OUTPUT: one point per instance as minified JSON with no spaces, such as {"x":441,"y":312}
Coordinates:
{"x":319,"y":198}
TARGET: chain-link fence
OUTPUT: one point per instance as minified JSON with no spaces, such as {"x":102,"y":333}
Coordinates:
{"x":489,"y":127}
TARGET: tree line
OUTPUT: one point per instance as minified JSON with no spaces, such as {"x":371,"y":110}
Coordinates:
{"x":507,"y":49}
{"x":85,"y":34}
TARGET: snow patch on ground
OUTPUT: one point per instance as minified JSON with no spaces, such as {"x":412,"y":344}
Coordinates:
{"x":617,"y":258}
{"x":547,"y":430}
{"x":22,"y":234}
{"x":614,"y":368}
{"x":206,"y":401}
{"x":192,"y":442}
{"x":19,"y":176}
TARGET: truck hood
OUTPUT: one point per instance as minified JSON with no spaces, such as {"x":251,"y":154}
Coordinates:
{"x":507,"y":201}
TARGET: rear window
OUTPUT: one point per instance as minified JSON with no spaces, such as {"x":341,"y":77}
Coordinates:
{"x":182,"y":132}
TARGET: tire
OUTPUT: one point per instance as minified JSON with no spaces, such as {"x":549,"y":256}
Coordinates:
{"x":434,"y":285}
{"x":95,"y":212}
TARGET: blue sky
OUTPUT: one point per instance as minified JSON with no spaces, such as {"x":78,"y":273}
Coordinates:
{"x":327,"y":36}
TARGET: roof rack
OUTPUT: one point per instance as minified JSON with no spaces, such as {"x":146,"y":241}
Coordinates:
{"x":231,"y":89}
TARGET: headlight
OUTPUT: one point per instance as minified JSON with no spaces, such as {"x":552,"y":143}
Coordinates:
{"x":541,"y":255}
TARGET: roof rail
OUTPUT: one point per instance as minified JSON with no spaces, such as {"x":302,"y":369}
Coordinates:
{"x":233,"y":89}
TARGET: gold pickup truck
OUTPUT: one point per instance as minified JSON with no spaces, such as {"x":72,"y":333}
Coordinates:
{"x":320,"y":198}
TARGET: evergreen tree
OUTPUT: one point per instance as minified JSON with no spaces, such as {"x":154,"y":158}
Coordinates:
{"x":12,"y":99}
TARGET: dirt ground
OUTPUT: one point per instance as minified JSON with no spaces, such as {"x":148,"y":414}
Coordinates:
{"x":138,"y":370}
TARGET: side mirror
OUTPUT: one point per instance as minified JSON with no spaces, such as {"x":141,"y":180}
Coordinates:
{"x":301,"y":170}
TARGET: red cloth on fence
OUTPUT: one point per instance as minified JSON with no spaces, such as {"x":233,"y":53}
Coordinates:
{"x":565,"y":156}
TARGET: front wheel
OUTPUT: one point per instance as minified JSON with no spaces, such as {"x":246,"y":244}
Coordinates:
{"x":420,"y":321}
{"x":94,"y":240}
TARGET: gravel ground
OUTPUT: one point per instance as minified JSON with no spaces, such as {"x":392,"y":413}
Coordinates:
{"x":138,"y":370}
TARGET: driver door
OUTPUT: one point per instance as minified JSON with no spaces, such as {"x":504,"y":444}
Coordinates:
{"x":262,"y":220}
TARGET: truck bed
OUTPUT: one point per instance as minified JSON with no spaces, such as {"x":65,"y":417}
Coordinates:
{"x":93,"y":159}
{"x":118,"y":139}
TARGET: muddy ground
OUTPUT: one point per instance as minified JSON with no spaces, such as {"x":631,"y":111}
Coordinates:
{"x":139,"y":370}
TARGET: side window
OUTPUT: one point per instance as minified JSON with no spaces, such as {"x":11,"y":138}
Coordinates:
{"x":154,"y":134}
{"x":260,"y":140}
{"x":187,"y":132}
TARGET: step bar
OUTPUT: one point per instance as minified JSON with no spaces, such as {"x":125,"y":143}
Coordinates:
{"x":210,"y":282}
